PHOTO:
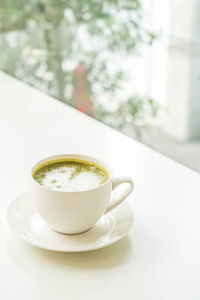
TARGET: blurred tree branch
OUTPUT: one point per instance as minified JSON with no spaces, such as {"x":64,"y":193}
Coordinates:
{"x":61,"y":35}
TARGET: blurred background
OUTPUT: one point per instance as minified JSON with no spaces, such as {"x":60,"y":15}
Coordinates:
{"x":132,"y":64}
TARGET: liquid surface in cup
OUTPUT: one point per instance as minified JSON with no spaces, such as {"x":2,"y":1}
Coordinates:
{"x":70,"y":175}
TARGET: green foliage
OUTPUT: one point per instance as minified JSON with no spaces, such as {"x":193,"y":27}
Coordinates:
{"x":43,"y":41}
{"x":133,"y":111}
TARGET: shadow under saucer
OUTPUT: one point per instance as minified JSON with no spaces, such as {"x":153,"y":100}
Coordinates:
{"x":32,"y":258}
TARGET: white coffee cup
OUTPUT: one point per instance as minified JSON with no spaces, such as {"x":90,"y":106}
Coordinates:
{"x":76,"y":212}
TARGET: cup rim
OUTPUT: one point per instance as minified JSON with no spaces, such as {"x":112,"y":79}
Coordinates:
{"x":75,"y":156}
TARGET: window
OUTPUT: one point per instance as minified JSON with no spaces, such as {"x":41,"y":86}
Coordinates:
{"x":131,"y":64}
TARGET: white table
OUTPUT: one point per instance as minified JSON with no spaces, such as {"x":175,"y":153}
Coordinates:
{"x":159,"y":259}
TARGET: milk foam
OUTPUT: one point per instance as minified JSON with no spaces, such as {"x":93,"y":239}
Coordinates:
{"x":62,"y":179}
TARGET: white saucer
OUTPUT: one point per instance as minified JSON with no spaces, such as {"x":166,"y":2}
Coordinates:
{"x":29,"y":226}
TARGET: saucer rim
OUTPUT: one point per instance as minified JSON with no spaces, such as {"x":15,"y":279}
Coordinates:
{"x":107,"y":243}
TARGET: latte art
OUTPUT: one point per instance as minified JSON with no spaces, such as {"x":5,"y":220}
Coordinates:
{"x":70,"y":175}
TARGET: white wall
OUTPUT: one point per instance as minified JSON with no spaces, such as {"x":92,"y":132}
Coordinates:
{"x":183,"y":96}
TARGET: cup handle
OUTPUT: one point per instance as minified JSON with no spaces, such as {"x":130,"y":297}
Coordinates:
{"x":115,"y":183}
